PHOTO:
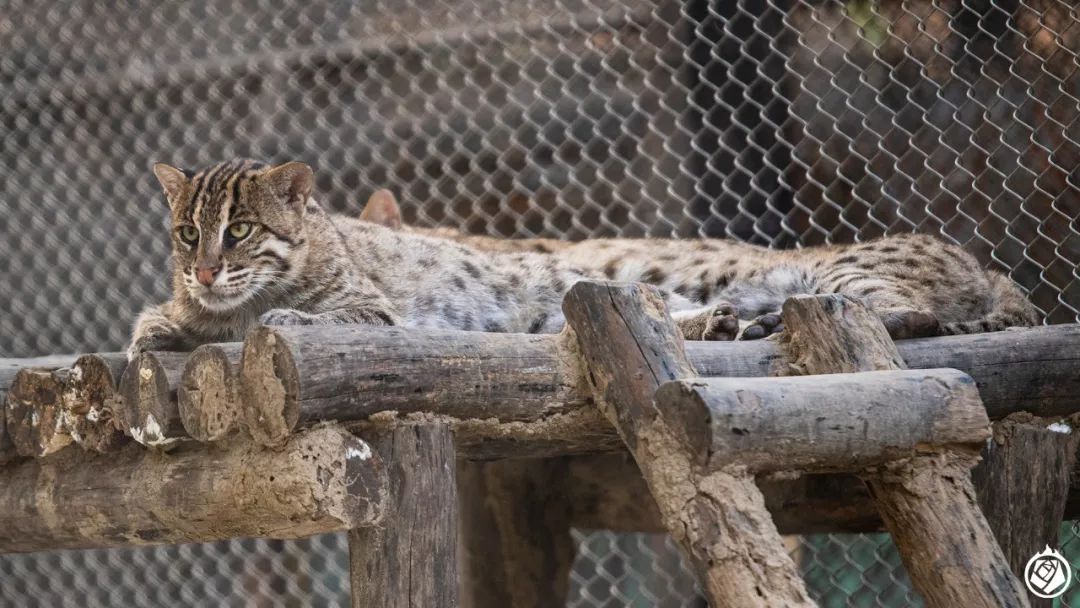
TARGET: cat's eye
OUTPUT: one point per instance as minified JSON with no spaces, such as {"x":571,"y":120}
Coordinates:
{"x":189,"y":234}
{"x":239,"y":230}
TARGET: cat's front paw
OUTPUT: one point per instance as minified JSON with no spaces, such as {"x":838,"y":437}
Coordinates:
{"x":287,"y":316}
{"x":153,"y":342}
{"x":762,"y":327}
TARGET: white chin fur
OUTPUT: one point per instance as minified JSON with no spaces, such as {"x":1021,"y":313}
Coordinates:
{"x":222,"y":303}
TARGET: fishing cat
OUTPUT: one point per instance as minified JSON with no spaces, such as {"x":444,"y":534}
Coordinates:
{"x":917,"y":284}
{"x":250,"y":246}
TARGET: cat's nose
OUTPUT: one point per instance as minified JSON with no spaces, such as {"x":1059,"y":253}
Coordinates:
{"x":206,"y":274}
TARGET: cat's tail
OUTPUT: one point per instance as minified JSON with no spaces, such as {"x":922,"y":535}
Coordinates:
{"x":1010,"y":309}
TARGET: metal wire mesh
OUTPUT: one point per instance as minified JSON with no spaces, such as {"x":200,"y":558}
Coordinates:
{"x":782,"y":122}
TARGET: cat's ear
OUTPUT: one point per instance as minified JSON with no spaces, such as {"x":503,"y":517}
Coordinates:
{"x":382,"y":208}
{"x":172,"y":180}
{"x":291,"y":183}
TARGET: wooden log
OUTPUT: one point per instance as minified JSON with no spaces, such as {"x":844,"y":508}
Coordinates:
{"x":35,"y":413}
{"x":1023,"y":485}
{"x":630,"y":346}
{"x":148,"y":388}
{"x":294,"y":376}
{"x":298,"y":376}
{"x":9,"y":368}
{"x":7,"y":446}
{"x":91,"y":402}
{"x":836,"y":422}
{"x":208,"y":397}
{"x":325,"y":480}
{"x":515,"y":533}
{"x":927,"y":501}
{"x":410,"y":559}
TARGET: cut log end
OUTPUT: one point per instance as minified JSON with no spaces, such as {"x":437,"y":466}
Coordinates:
{"x":91,"y":404}
{"x":34,"y":413}
{"x":271,"y":387}
{"x":208,"y":396}
{"x":150,"y":414}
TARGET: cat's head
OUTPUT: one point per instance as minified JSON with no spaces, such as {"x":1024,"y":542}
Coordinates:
{"x":237,"y":228}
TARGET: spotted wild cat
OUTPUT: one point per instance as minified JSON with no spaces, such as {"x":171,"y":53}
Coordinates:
{"x":919,"y":285}
{"x":251,"y":246}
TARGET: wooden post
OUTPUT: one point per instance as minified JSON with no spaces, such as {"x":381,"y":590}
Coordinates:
{"x":325,"y":480}
{"x":630,"y":346}
{"x":515,"y":533}
{"x":410,"y":559}
{"x":148,"y":392}
{"x":35,"y":413}
{"x":927,"y":501}
{"x":837,"y":422}
{"x":1023,"y":485}
{"x":91,"y":403}
{"x":208,"y":397}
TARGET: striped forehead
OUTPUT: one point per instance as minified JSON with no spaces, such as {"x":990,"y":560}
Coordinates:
{"x":216,"y":191}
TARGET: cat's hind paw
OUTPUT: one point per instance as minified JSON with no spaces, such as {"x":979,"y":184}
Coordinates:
{"x":762,"y":327}
{"x":714,"y":323}
{"x":287,"y":316}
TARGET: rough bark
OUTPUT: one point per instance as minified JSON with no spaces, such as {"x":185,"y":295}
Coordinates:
{"x":927,"y":502}
{"x":7,"y":446}
{"x":515,"y":533}
{"x":300,"y":375}
{"x":9,"y":368}
{"x":325,"y":480}
{"x":208,"y":397}
{"x":410,"y":559}
{"x":351,"y":374}
{"x":838,"y":422}
{"x":35,"y":413}
{"x":91,"y":402}
{"x":148,"y":388}
{"x":630,"y":346}
{"x":1023,"y":485}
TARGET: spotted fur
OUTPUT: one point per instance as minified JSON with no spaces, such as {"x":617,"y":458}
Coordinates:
{"x":918,"y":285}
{"x":299,"y":265}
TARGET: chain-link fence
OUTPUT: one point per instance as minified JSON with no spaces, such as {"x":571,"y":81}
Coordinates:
{"x":782,"y":122}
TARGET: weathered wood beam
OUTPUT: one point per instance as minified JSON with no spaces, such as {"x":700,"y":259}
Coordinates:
{"x":927,"y":501}
{"x":515,"y":532}
{"x":630,"y":346}
{"x":836,"y":422}
{"x":325,"y":480}
{"x":410,"y":559}
{"x":148,"y":391}
{"x":208,"y":397}
{"x":1023,"y":485}
{"x":297,"y":376}
{"x":91,"y":402}
{"x":35,"y":412}
{"x":294,"y":376}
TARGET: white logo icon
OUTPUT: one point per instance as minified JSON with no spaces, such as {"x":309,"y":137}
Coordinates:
{"x":1047,"y":574}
